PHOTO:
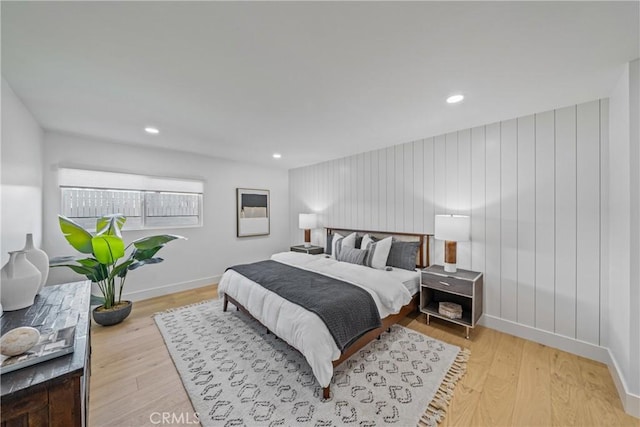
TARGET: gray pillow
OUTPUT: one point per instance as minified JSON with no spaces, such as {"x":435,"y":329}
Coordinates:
{"x":403,"y":255}
{"x":327,"y":249}
{"x":351,"y":255}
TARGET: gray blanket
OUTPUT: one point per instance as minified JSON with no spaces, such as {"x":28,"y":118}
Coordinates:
{"x":348,"y":311}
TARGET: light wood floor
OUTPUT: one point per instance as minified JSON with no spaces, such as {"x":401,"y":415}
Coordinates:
{"x":509,"y":381}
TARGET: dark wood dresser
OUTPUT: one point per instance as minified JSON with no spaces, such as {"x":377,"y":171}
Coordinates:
{"x":55,"y":392}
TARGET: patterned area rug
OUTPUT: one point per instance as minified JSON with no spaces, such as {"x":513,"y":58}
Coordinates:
{"x":237,"y":374}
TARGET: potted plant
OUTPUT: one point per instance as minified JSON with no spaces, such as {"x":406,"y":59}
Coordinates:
{"x":104,"y":250}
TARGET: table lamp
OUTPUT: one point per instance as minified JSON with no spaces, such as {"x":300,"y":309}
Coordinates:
{"x":306,"y":222}
{"x":452,"y":229}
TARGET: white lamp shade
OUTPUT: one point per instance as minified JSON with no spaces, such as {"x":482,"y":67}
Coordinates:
{"x":307,"y":221}
{"x":454,"y":228}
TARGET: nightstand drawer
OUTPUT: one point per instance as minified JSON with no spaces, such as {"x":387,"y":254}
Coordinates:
{"x":448,"y":284}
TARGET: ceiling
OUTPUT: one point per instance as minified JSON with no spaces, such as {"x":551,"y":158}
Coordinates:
{"x":311,"y":80}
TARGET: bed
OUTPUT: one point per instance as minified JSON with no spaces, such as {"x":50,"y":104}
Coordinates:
{"x":395,"y":294}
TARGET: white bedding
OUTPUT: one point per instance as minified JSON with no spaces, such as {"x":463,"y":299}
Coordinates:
{"x":302,"y":329}
{"x":409,"y":278}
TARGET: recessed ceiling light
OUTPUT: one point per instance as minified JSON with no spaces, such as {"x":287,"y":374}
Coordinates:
{"x":154,"y":131}
{"x":453,"y":99}
{"x":277,"y":155}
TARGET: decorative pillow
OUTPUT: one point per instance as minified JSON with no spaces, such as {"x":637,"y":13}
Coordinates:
{"x":329,"y":246}
{"x":350,"y":241}
{"x":340,"y":242}
{"x":403,"y":255}
{"x":377,"y":253}
{"x":334,"y":239}
{"x":351,"y":255}
{"x":365,"y":241}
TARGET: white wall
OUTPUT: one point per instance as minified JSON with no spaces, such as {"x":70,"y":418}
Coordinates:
{"x":554,"y":210}
{"x":210,"y":249}
{"x":532,"y":187}
{"x":21,"y":192}
{"x":535,"y":188}
{"x":634,"y":300}
{"x":624,"y":236}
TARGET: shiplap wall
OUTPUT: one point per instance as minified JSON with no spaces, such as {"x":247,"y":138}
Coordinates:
{"x":532,"y":187}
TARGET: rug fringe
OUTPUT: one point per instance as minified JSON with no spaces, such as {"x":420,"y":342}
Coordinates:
{"x":171,"y":310}
{"x":437,"y":409}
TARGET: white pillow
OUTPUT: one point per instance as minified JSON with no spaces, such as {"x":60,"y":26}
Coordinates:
{"x":377,"y":253}
{"x":340,"y":242}
{"x":349,"y":241}
{"x":336,"y":237}
{"x":365,"y":241}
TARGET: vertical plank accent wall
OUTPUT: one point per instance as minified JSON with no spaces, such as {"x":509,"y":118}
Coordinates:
{"x":532,"y":187}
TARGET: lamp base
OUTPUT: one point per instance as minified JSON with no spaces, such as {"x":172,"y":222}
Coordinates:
{"x":450,"y":261}
{"x":450,"y":268}
{"x":307,"y":238}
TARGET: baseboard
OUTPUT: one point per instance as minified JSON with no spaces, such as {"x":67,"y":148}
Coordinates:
{"x":171,"y":288}
{"x":581,"y":348}
{"x":630,"y":402}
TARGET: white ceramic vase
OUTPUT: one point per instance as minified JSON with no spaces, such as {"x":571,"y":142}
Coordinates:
{"x":19,"y":282}
{"x":39,"y":258}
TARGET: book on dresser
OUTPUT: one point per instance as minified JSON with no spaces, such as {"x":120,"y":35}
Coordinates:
{"x":52,"y":344}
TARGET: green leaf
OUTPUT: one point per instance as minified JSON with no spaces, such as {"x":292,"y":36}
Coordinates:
{"x":96,"y":300}
{"x":139,"y":264}
{"x":122,"y":274}
{"x":142,"y":254}
{"x":121,"y":268}
{"x":77,"y":236}
{"x":100,"y":273}
{"x":107,"y":249}
{"x":153,"y":241}
{"x":85,"y":271}
{"x":110,"y":225}
{"x":88,"y":267}
{"x":88,"y":262}
{"x":58,"y":261}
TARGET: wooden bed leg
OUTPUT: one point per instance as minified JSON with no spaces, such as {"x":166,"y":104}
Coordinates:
{"x":325,"y":393}
{"x":224,"y":304}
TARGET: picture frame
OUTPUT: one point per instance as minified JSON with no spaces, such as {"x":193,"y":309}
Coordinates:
{"x":253,"y":212}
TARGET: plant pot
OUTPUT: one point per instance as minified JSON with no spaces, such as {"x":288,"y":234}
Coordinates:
{"x":114,"y":315}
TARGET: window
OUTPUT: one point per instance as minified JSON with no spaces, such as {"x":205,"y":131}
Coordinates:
{"x":147,"y":202}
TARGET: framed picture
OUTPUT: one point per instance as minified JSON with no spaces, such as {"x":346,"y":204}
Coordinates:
{"x":253,"y":212}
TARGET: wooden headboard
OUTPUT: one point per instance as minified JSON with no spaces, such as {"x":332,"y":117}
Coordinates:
{"x":422,"y":260}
